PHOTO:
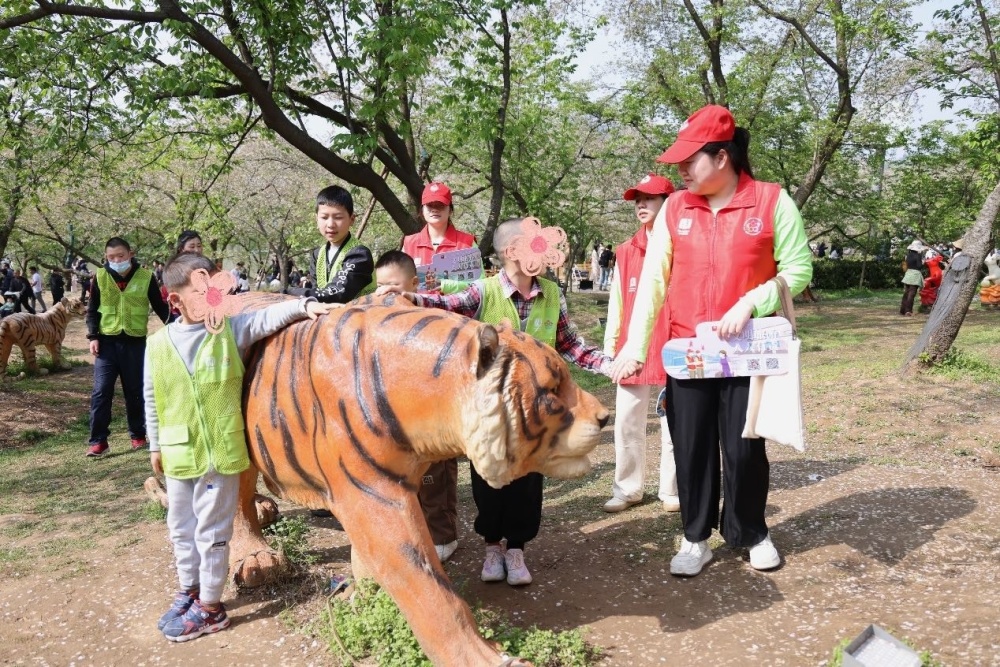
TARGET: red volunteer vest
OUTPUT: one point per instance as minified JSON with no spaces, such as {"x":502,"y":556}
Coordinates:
{"x":629,"y":258}
{"x":419,"y":247}
{"x":718,"y":258}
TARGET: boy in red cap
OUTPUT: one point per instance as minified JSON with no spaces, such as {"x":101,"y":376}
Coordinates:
{"x":717,"y":245}
{"x":632,"y":397}
{"x":438,"y":493}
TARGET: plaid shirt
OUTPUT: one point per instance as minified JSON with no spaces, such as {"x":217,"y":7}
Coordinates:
{"x":569,"y":343}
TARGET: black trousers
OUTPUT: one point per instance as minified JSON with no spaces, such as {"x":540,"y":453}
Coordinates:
{"x":116,"y":358}
{"x":514,"y":512}
{"x":702,"y":414}
{"x":909,"y":293}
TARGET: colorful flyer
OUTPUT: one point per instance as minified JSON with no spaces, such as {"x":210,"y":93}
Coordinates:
{"x":760,"y":349}
{"x":464,"y":265}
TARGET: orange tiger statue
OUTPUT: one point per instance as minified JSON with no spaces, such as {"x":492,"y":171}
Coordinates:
{"x":346,"y":413}
{"x":28,"y":331}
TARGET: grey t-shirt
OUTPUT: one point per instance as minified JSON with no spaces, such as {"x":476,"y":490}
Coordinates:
{"x":248,"y":328}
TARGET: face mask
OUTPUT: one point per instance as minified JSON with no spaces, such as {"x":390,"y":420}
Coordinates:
{"x":120,"y":267}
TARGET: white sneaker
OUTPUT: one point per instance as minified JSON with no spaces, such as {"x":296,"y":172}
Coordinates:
{"x":672,"y":504}
{"x":517,"y":571}
{"x":446,"y":550}
{"x":618,"y":505}
{"x":763,"y":555}
{"x":493,"y":569}
{"x":691,"y":558}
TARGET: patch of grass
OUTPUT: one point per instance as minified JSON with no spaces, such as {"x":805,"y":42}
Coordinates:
{"x":30,"y":436}
{"x":370,"y":626}
{"x":17,"y":366}
{"x":13,"y":554}
{"x":151,"y":512}
{"x":288,"y":535}
{"x":588,"y":381}
{"x":959,"y":364}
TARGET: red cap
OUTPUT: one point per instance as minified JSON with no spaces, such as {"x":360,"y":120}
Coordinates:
{"x":436,"y":192}
{"x":705,"y":126}
{"x":650,"y":185}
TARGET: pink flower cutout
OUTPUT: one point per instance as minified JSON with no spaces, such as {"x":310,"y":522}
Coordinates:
{"x":536,"y":248}
{"x":211,"y":300}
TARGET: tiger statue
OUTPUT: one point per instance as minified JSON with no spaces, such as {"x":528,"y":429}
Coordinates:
{"x":28,"y":331}
{"x":346,"y":413}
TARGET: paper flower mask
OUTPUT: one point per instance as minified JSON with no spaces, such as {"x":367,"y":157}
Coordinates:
{"x":211,"y":299}
{"x":536,"y":248}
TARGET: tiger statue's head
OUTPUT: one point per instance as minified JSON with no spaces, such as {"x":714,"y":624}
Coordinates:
{"x":525,"y":412}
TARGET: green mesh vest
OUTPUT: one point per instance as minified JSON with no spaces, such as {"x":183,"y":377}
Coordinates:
{"x":543,"y":318}
{"x":211,"y":432}
{"x":323,"y":275}
{"x":126,"y":311}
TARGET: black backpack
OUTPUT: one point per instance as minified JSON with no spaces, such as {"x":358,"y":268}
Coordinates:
{"x":605,"y":258}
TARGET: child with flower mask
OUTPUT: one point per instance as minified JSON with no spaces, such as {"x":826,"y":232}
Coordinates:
{"x":193,"y":388}
{"x":518,"y":297}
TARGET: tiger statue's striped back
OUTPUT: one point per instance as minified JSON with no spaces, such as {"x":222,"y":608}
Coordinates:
{"x":28,"y":331}
{"x":346,"y":412}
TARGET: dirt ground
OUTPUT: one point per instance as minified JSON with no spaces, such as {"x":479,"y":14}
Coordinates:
{"x":892,"y":518}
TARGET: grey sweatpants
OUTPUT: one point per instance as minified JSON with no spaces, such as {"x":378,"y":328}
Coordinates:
{"x":200,"y":520}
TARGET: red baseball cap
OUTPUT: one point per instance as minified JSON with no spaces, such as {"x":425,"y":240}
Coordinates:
{"x":436,"y":192}
{"x":650,"y":184}
{"x":705,"y":126}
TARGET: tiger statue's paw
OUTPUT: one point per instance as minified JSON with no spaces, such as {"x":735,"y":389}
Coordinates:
{"x":267,"y":510}
{"x":258,"y":568}
{"x":155,"y":491}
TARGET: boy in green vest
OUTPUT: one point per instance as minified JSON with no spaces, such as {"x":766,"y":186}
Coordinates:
{"x":121,"y":295}
{"x":535,"y":306}
{"x":344,"y":268}
{"x":193,"y":387}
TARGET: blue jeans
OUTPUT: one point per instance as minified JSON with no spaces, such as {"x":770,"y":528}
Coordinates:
{"x":118,"y":357}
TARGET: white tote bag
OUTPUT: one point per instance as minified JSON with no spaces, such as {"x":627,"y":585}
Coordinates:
{"x":774,"y":409}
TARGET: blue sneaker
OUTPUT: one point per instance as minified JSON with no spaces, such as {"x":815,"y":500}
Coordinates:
{"x":182,"y":602}
{"x":195,"y":622}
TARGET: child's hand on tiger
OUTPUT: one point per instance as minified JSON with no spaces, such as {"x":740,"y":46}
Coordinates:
{"x":157,"y":463}
{"x":387,"y":289}
{"x":314,"y":308}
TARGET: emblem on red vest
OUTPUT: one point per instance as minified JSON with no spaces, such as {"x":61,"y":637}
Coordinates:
{"x":684,"y":226}
{"x":753,"y":226}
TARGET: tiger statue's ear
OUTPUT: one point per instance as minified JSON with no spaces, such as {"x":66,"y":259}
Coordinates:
{"x":489,"y":347}
{"x":485,"y":420}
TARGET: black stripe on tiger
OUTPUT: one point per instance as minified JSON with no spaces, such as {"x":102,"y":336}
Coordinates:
{"x":367,"y":490}
{"x":359,"y":393}
{"x":317,"y":404}
{"x":417,"y":559}
{"x":393,"y":477}
{"x":266,"y":465}
{"x":288,"y":444}
{"x":395,"y":314}
{"x":388,"y":415}
{"x":418,"y":327}
{"x":293,"y":375}
{"x":341,"y":323}
{"x":319,"y":466}
{"x":446,"y":350}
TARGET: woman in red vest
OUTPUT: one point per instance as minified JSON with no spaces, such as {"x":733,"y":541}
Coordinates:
{"x":719,"y":244}
{"x":632,"y":397}
{"x":439,"y":492}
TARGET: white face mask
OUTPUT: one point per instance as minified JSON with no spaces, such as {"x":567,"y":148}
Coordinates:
{"x":120,"y":267}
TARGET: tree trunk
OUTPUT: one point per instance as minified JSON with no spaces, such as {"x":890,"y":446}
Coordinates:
{"x":958,"y":286}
